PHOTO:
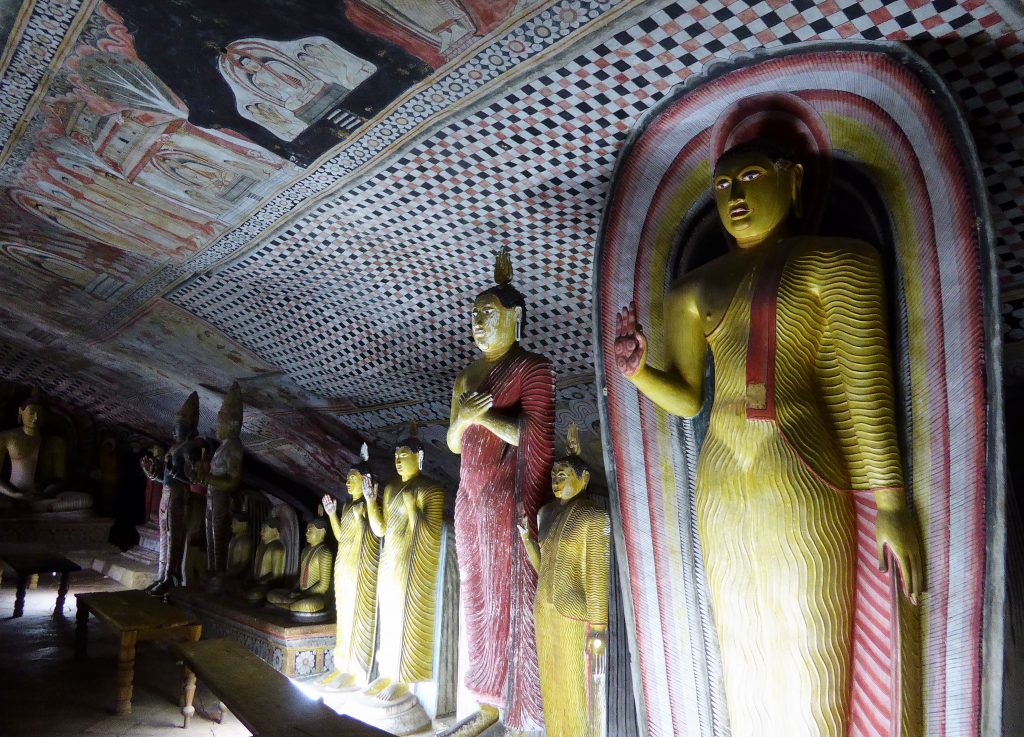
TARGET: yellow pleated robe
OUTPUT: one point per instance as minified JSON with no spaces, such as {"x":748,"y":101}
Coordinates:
{"x":572,"y":594}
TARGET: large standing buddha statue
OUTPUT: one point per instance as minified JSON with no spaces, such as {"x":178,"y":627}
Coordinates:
{"x":502,"y":424}
{"x":188,"y":450}
{"x":355,"y":582}
{"x":572,"y":554}
{"x":802,"y":420}
{"x":222,"y":476}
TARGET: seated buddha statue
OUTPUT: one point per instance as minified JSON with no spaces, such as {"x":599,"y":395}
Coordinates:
{"x":268,"y":563}
{"x":240,"y":553}
{"x":572,"y":558}
{"x":38,"y":464}
{"x":310,"y":594}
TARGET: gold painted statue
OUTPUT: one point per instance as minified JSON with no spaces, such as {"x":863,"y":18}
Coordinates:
{"x":355,"y":583}
{"x":38,"y":464}
{"x":240,"y":552}
{"x":309,"y":595}
{"x":571,"y":609}
{"x":409,"y":522}
{"x":802,"y":419}
{"x":268,"y":565}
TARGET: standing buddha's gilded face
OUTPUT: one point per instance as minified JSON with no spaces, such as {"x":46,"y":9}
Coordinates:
{"x":494,"y":325}
{"x":407,"y":462}
{"x":566,"y":483}
{"x":354,"y":484}
{"x":754,"y":194}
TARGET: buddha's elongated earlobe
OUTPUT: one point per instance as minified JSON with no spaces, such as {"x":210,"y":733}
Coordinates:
{"x":419,"y":460}
{"x":519,"y":324}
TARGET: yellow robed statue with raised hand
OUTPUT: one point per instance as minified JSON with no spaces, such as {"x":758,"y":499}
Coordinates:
{"x":572,"y":557}
{"x":409,"y":521}
{"x":355,"y":582}
{"x":802,"y":420}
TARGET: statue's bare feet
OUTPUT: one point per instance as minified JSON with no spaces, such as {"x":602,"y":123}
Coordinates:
{"x":474,"y":724}
{"x":393,"y":692}
{"x":338,"y":681}
{"x":376,"y":686}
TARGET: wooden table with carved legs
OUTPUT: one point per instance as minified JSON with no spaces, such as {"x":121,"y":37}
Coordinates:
{"x":28,"y":566}
{"x":136,"y":617}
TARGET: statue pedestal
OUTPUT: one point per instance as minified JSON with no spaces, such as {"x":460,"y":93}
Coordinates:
{"x":135,"y":568}
{"x":296,"y":649}
{"x":402,"y":716}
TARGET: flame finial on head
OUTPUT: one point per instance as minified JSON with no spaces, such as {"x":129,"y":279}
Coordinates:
{"x":572,"y":440}
{"x":231,"y":408}
{"x":189,"y":412}
{"x":503,"y":266}
{"x":364,"y":453}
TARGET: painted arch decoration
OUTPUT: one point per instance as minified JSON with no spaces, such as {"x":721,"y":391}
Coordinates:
{"x":905,"y":177}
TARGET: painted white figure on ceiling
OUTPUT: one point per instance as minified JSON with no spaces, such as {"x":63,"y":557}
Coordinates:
{"x":287,"y":86}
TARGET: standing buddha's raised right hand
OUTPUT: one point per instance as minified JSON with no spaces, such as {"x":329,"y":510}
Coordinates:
{"x":330,"y":505}
{"x":630,"y":341}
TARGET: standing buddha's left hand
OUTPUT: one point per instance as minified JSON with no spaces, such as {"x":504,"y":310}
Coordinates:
{"x":897,"y":538}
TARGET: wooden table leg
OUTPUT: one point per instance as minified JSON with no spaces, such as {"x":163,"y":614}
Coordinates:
{"x":81,"y":631}
{"x":62,"y":593}
{"x":126,"y":672}
{"x":188,"y":685}
{"x":188,"y":692}
{"x":19,"y":598}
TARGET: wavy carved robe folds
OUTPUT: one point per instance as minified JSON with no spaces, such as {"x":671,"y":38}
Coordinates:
{"x":355,"y":590}
{"x":407,"y":580}
{"x":499,"y":484}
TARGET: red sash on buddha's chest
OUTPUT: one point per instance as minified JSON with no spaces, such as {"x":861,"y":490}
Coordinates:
{"x":761,"y":341}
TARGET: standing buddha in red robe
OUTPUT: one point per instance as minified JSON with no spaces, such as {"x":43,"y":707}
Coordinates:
{"x":502,"y":423}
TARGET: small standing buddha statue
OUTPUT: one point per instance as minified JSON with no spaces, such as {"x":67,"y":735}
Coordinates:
{"x":571,"y":608}
{"x":268,"y":565}
{"x":410,"y":523}
{"x":309,"y":595}
{"x":355,"y":582}
{"x":240,"y":550}
{"x":38,"y":463}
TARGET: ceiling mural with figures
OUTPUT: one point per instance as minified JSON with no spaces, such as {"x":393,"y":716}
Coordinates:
{"x":193,"y":193}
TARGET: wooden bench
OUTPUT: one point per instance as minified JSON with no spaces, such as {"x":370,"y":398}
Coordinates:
{"x":25,"y":566}
{"x":265,"y":701}
{"x":135,"y":617}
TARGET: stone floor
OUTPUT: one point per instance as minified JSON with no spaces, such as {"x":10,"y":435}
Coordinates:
{"x":44,"y":692}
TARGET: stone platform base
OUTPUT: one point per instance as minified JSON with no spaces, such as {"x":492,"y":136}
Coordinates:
{"x":134,"y":569}
{"x":56,"y":531}
{"x":293,"y":648}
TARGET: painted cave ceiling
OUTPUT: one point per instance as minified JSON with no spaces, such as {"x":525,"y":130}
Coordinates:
{"x":305,"y":197}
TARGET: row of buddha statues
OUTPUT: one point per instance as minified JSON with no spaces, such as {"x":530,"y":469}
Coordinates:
{"x":551,"y":565}
{"x":533,"y":552}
